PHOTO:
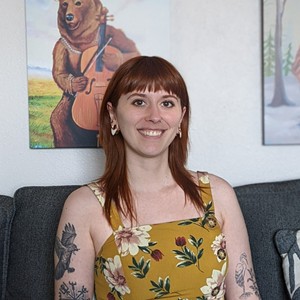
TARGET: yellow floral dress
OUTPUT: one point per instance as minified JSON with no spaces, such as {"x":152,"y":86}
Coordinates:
{"x":180,"y":260}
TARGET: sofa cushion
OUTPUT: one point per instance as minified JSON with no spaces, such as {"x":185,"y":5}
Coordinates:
{"x":288,"y":245}
{"x":6,"y":215}
{"x":33,"y":232}
{"x":267,"y":208}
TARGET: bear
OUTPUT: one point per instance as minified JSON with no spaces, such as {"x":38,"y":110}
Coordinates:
{"x":79,"y":23}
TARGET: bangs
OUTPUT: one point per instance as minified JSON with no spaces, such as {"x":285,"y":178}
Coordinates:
{"x":153,"y":75}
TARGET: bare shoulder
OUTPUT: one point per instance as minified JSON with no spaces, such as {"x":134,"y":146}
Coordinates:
{"x":83,"y":209}
{"x":220,"y":185}
{"x":82,"y":196}
{"x":226,"y":203}
{"x":223,"y":195}
{"x":217,"y":183}
{"x":82,"y":203}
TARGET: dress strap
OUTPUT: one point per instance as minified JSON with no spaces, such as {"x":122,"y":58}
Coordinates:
{"x":205,"y":188}
{"x":114,"y":215}
{"x":94,"y":186}
{"x":206,"y":195}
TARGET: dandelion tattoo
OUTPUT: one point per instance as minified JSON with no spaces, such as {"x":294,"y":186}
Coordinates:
{"x":71,"y":292}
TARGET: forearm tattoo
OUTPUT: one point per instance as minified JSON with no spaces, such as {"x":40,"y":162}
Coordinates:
{"x":70,"y":291}
{"x":245,"y":278}
{"x":64,"y":249}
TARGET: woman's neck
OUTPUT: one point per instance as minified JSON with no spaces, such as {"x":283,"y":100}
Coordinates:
{"x":150,"y":174}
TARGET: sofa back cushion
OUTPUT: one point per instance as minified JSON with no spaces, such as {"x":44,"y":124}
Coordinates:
{"x":267,"y":208}
{"x":33,"y":232}
{"x":7,"y":210}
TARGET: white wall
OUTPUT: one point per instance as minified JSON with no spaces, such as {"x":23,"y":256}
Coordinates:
{"x":220,"y":58}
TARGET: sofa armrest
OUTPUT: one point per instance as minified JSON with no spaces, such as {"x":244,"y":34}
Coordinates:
{"x":7,"y":211}
{"x":267,"y":208}
{"x":33,"y":233}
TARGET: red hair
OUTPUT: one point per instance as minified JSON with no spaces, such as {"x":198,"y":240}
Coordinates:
{"x":138,"y":74}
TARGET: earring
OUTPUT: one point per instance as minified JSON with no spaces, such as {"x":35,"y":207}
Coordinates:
{"x":179,"y":133}
{"x":114,"y":130}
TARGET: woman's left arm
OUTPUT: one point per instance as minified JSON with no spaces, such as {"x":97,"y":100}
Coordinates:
{"x":240,"y":279}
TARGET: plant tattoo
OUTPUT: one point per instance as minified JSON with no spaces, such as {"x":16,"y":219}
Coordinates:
{"x":64,"y":249}
{"x":70,"y":292}
{"x":240,"y":273}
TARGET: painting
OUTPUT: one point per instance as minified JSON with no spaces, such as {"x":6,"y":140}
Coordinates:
{"x":73,"y":49}
{"x":281,"y":72}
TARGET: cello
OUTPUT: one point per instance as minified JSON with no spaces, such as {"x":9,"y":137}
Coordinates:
{"x":87,"y":104}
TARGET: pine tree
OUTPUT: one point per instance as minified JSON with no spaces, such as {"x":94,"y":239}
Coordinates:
{"x":269,"y":55}
{"x":288,"y":60}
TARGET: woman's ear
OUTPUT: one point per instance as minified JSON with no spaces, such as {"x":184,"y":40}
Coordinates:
{"x":111,"y":111}
{"x":114,"y":126}
{"x":183,"y":113}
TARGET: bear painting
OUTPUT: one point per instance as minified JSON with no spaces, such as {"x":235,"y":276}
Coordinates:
{"x":84,"y":59}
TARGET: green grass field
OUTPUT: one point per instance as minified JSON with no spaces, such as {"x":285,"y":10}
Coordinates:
{"x":43,"y":98}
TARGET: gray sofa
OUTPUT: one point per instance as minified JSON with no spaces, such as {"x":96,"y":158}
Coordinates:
{"x":28,"y":224}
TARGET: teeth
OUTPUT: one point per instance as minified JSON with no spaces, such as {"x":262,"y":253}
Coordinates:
{"x":151,"y":133}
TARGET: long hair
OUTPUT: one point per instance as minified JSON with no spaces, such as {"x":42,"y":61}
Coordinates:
{"x":138,"y":74}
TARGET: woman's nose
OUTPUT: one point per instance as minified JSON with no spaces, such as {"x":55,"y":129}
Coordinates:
{"x":153,"y":114}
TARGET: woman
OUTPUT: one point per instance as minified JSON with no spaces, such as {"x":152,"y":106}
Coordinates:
{"x":149,"y":228}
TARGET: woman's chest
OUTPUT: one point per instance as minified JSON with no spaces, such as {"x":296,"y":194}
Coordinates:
{"x":172,"y":260}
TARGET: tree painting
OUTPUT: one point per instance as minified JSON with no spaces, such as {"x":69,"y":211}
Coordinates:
{"x":280,"y":96}
{"x":281,"y":83}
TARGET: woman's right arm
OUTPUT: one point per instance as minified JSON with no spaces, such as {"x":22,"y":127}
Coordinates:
{"x":74,"y":253}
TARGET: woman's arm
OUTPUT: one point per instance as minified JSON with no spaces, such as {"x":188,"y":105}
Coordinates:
{"x":240,"y":280}
{"x":74,"y":253}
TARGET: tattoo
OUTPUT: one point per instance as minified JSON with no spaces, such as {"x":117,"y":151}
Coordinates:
{"x":253,"y":285}
{"x":64,"y":249}
{"x":71,"y":292}
{"x":240,"y":275}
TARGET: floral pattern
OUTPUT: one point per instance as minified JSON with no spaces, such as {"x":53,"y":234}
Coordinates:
{"x":98,"y":192}
{"x":215,"y":288}
{"x":157,"y":255}
{"x":204,"y":179}
{"x":207,"y":221}
{"x":129,"y":240}
{"x":140,"y":268}
{"x":177,"y":260}
{"x":187,"y":256}
{"x":161,"y":287}
{"x":114,"y":275}
{"x":219,"y":247}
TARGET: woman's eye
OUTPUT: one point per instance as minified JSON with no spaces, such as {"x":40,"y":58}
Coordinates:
{"x":138,"y":102}
{"x":168,"y":103}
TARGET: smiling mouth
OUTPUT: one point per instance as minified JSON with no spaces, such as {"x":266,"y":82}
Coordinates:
{"x":153,"y":133}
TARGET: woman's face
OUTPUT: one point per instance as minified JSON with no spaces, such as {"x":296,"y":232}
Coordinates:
{"x":148,"y":121}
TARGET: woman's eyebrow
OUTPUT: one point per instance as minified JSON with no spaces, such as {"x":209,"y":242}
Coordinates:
{"x":136,"y":94}
{"x":171,"y":96}
{"x":142,"y":95}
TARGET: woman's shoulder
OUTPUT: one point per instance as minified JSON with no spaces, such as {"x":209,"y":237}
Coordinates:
{"x":82,"y":201}
{"x":83,"y":210}
{"x":223,"y":195}
{"x":219,"y":183}
{"x":216,"y":182}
